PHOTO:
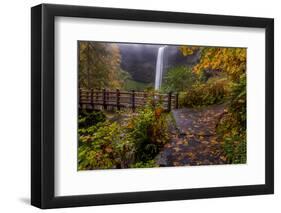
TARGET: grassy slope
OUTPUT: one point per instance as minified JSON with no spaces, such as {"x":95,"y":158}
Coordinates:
{"x":136,"y":85}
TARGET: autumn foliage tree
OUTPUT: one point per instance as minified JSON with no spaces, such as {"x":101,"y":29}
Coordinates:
{"x":229,"y":60}
{"x":99,"y":65}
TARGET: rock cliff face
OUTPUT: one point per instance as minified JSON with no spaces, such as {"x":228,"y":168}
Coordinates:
{"x":140,"y":59}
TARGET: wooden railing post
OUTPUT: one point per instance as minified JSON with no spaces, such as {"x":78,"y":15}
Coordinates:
{"x":144,"y":98}
{"x":97,"y":94}
{"x":104,"y":99}
{"x":92,"y":98}
{"x":169,"y":101}
{"x":118,"y":99}
{"x":107,"y":96}
{"x":88,"y":99}
{"x":133,"y":101}
{"x":177,"y":100}
{"x":160,"y":99}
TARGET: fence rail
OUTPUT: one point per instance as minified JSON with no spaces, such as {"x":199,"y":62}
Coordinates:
{"x":110,"y":99}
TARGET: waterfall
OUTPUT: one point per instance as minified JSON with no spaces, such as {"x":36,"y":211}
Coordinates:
{"x":159,"y":68}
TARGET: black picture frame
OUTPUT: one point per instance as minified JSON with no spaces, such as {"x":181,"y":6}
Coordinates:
{"x":43,"y":102}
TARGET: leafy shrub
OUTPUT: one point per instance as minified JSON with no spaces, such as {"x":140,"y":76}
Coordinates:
{"x":149,"y":130}
{"x":134,"y":142}
{"x":232,"y":126}
{"x":178,"y":79}
{"x":238,"y":100}
{"x":106,"y":146}
{"x":214,"y":91}
{"x":233,"y":137}
{"x":90,"y":118}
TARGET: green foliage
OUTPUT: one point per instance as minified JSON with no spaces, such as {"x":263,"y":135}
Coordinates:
{"x":214,"y":91}
{"x":87,"y":119}
{"x":232,"y":126}
{"x":148,"y":164}
{"x":178,"y":79}
{"x":134,"y":142}
{"x":233,"y":138}
{"x":130,"y":84}
{"x":238,"y":100}
{"x":107,"y":146}
{"x":149,"y":129}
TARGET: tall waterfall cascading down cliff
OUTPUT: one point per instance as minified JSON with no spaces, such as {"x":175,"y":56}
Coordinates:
{"x":159,"y":68}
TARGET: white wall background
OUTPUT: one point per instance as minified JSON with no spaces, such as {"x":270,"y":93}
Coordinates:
{"x":15,"y":105}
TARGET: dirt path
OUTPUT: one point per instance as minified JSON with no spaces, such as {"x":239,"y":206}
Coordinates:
{"x":194,"y":140}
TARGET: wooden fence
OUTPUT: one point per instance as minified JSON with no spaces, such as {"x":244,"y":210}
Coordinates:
{"x":116,"y":100}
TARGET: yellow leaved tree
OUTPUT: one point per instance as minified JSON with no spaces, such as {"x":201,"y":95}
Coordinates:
{"x":229,"y":60}
{"x":231,"y":129}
